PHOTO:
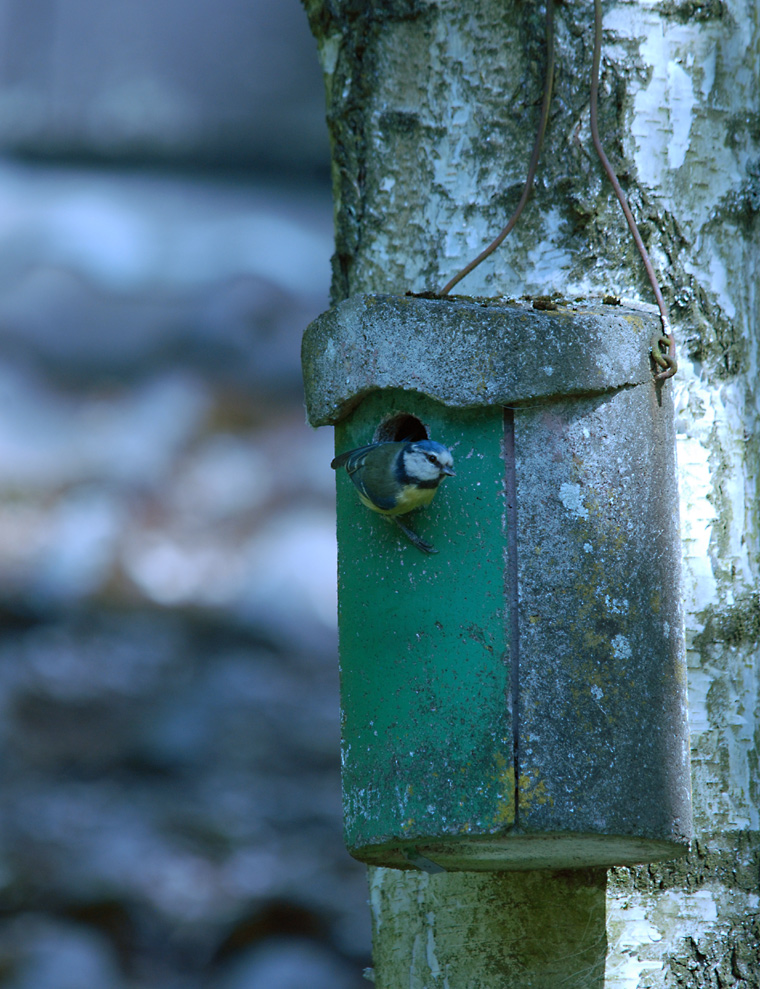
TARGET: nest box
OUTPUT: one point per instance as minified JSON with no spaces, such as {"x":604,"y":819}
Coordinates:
{"x":517,"y":700}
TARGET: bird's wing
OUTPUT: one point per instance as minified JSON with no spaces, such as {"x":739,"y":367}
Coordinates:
{"x":374,"y":477}
{"x":353,"y":459}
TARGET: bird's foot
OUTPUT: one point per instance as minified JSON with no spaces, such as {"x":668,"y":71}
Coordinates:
{"x":413,"y":537}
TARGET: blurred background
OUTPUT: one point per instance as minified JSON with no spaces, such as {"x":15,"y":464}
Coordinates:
{"x":169,"y":764}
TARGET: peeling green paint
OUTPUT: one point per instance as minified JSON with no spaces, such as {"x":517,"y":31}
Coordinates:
{"x":424,"y":658}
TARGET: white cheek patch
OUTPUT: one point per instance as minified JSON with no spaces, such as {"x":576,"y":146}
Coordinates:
{"x":419,"y":467}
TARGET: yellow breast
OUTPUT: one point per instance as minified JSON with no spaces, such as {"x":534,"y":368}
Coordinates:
{"x":411,"y":497}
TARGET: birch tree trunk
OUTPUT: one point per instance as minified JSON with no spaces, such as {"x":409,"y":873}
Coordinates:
{"x":432,"y":111}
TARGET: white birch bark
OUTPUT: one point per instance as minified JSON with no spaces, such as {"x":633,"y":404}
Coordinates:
{"x":432,"y":108}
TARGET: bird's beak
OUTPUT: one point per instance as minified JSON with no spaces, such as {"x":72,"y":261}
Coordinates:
{"x":449,"y":470}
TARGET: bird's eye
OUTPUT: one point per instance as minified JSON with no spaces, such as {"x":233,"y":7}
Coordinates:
{"x":432,"y":458}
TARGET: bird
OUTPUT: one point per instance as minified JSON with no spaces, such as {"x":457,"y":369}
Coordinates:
{"x":394,"y":478}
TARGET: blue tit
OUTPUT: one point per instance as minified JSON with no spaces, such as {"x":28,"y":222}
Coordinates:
{"x":396,"y":478}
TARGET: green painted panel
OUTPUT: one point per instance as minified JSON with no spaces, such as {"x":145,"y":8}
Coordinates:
{"x":427,"y":737}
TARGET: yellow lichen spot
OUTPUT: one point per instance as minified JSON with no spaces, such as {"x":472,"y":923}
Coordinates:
{"x":504,"y":788}
{"x":592,"y":640}
{"x":533,"y":791}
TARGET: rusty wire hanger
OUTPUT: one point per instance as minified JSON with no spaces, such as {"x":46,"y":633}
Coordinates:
{"x":665,"y":359}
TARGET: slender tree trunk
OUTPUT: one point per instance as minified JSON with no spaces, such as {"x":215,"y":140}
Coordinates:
{"x":432,"y":110}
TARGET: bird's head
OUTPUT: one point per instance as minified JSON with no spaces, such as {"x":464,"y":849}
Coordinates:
{"x":427,"y":462}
